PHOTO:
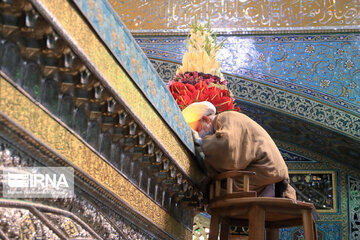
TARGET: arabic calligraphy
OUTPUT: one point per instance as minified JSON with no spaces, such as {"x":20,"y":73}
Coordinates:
{"x":233,"y":15}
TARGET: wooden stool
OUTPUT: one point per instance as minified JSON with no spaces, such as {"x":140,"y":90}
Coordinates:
{"x":258,"y":213}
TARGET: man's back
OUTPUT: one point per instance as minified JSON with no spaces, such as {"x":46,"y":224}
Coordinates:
{"x":239,"y":143}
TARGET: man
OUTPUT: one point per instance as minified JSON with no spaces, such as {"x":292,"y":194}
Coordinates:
{"x":233,"y":141}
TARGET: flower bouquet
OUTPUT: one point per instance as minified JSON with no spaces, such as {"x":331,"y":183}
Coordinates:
{"x":199,"y":78}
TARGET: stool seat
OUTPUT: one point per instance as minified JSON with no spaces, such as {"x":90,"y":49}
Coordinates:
{"x":244,"y":208}
{"x":259,"y":213}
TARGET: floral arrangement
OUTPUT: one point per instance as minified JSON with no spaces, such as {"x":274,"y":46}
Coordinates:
{"x":199,"y":78}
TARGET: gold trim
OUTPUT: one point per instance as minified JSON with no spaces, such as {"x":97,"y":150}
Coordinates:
{"x":37,"y":122}
{"x":333,"y":174}
{"x":266,"y":31}
{"x":60,"y":12}
{"x":159,"y":17}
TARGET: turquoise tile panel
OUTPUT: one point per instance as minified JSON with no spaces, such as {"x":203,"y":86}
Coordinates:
{"x":107,"y":23}
{"x":321,"y":67}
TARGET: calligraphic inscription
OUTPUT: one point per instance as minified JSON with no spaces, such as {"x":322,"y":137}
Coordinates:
{"x":27,"y":228}
{"x":317,"y":187}
{"x":235,"y":15}
{"x":354,"y":207}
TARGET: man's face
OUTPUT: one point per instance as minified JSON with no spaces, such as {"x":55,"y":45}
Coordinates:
{"x":207,"y":127}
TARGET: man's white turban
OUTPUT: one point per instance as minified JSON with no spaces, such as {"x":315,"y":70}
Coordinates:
{"x":195,"y":111}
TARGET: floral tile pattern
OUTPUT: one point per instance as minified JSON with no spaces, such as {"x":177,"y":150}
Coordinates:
{"x":326,"y":230}
{"x":120,"y":42}
{"x":321,"y":67}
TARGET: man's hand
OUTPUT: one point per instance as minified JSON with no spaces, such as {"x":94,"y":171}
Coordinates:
{"x":195,"y":134}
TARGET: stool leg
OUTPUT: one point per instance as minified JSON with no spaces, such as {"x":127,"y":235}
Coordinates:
{"x":214,"y":227}
{"x":256,"y":223}
{"x":272,"y":234}
{"x":308,"y":225}
{"x":315,"y":231}
{"x":224,"y":232}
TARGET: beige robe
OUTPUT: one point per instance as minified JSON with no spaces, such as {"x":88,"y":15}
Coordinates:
{"x":239,"y":143}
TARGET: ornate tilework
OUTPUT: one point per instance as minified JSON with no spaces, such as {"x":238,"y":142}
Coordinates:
{"x":283,"y":127}
{"x":296,"y":105}
{"x":326,"y":230}
{"x":325,"y":67}
{"x":293,"y":157}
{"x":115,"y":35}
{"x":354,"y":207}
{"x":284,"y":101}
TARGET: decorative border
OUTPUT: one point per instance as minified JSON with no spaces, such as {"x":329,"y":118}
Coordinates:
{"x":291,"y":157}
{"x":120,"y":42}
{"x":102,"y":63}
{"x":50,"y":133}
{"x":335,"y":186}
{"x":296,"y":105}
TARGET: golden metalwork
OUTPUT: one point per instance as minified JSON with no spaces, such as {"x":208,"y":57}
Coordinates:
{"x":27,"y":228}
{"x":238,"y":15}
{"x":79,"y":30}
{"x":201,"y":227}
{"x":70,"y":228}
{"x":37,"y":122}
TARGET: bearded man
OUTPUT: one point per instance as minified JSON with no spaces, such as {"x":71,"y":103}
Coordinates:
{"x":233,"y":141}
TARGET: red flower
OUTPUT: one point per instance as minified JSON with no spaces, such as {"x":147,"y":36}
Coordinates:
{"x":194,"y":87}
{"x":190,"y":87}
{"x":225,"y":103}
{"x":175,"y":95}
{"x":237,"y":109}
{"x":201,"y":85}
{"x":177,"y":87}
{"x":184,"y":101}
{"x":213,"y":94}
{"x":225,"y":93}
{"x":199,"y":96}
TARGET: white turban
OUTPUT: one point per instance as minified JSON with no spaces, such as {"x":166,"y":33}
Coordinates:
{"x":195,"y":111}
